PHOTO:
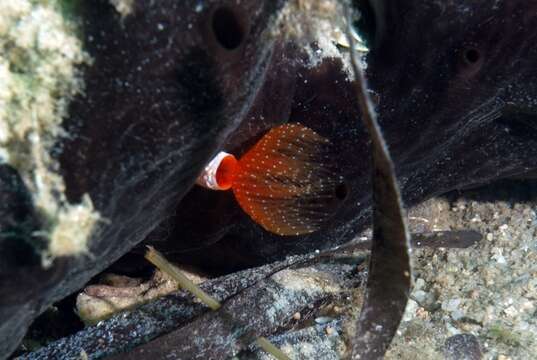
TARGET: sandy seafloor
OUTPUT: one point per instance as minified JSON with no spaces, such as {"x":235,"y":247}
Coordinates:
{"x":488,"y":290}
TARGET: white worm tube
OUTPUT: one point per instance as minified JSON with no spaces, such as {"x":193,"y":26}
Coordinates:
{"x":218,"y":172}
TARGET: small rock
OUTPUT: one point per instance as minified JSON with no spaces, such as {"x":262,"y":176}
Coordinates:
{"x":511,"y":311}
{"x":452,"y":330}
{"x":422,"y":313}
{"x":451,"y":305}
{"x":420,"y":296}
{"x":462,"y":347}
{"x":474,"y":294}
{"x":498,"y":256}
{"x":323,"y":320}
{"x":476,"y":219}
{"x":527,"y":305}
{"x":419,"y":283}
{"x":410,"y":311}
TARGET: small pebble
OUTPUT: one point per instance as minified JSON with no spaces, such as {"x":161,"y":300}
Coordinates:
{"x":511,"y":311}
{"x":422,"y":313}
{"x":419,"y":283}
{"x":296,"y":316}
{"x":323,"y":320}
{"x":462,"y":347}
{"x":476,"y":219}
{"x":474,"y":294}
{"x":420,"y":296}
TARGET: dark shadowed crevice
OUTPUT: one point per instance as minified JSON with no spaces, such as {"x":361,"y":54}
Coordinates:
{"x":227,"y":28}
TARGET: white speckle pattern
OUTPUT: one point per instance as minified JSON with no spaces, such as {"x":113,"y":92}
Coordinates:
{"x":287,"y":182}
